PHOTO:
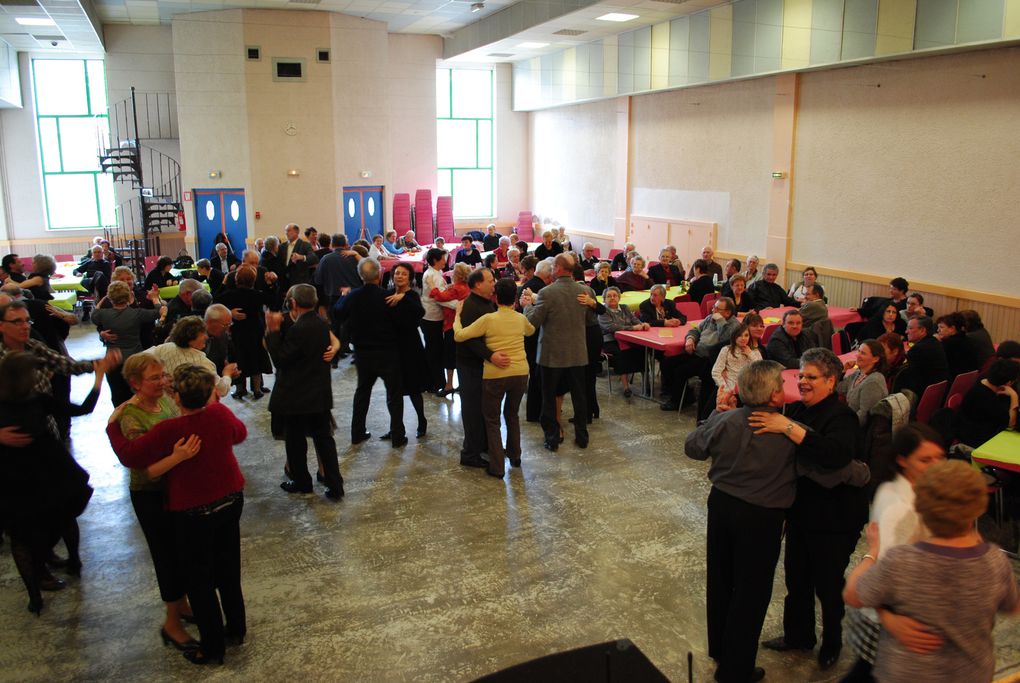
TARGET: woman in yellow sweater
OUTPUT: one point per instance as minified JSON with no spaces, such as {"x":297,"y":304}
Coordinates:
{"x":504,"y":331}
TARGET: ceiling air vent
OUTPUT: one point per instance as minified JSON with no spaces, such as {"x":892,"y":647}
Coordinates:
{"x":568,"y":32}
{"x":501,"y":54}
{"x":253,"y":52}
{"x":286,"y":69}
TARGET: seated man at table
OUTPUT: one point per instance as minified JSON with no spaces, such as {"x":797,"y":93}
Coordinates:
{"x":702,"y":345}
{"x":408,"y":242}
{"x":665,"y":272}
{"x":468,"y":254}
{"x":789,"y":342}
{"x":732,"y":268}
{"x":549,"y":246}
{"x":708,"y":254}
{"x":701,"y":281}
{"x":224,"y":260}
{"x":814,"y":310}
{"x":658,"y":311}
{"x":767,"y":294}
{"x":589,"y":261}
{"x":620,"y":260}
{"x":95,"y":273}
{"x":492,"y":238}
{"x":926,"y":360}
{"x":110,"y":255}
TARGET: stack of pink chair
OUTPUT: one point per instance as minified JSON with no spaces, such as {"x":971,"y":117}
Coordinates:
{"x":525,"y":226}
{"x":424,"y":233}
{"x":401,"y":212}
{"x":444,"y":219}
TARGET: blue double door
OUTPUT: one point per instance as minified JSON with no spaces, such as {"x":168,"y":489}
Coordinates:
{"x":220,"y":212}
{"x":363,"y":212}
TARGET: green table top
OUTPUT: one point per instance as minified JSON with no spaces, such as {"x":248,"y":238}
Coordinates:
{"x":167,"y":293}
{"x":64,"y":300}
{"x":1002,"y":450}
{"x":68,"y":282}
{"x":634,"y":299}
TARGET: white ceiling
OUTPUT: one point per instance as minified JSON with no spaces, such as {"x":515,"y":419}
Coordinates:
{"x":498,"y":28}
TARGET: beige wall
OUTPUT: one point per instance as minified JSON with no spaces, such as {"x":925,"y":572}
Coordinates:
{"x":512,"y":150}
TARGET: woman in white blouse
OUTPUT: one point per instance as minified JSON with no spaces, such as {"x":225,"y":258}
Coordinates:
{"x":187,"y":347}
{"x":800,"y":290}
{"x":741,"y":352}
{"x":864,"y":385}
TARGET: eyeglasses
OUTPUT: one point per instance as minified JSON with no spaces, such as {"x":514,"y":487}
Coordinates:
{"x":810,"y":378}
{"x":20,"y":321}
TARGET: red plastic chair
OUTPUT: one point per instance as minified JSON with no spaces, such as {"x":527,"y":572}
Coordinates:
{"x":150,"y":262}
{"x":682,"y":298}
{"x":767,"y":334}
{"x":931,"y":400}
{"x":26,"y":263}
{"x":597,"y":252}
{"x":707,"y":303}
{"x":444,"y":219}
{"x":837,"y":344}
{"x":402,"y":213}
{"x":961,"y":385}
{"x":63,"y":258}
{"x":690,"y":309}
{"x":613,"y":253}
{"x":525,"y":227}
{"x":954,"y":402}
{"x":423,"y":216}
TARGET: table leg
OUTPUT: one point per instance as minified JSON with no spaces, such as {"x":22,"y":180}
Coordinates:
{"x":648,"y":376}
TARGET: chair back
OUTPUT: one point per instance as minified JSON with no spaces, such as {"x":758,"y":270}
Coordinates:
{"x":931,"y":400}
{"x":837,"y":344}
{"x":444,"y":219}
{"x":690,"y":309}
{"x":954,"y":401}
{"x":525,"y":227}
{"x":613,"y":253}
{"x":596,"y":252}
{"x":961,"y":385}
{"x":64,"y":258}
{"x":707,"y":303}
{"x":423,"y":227}
{"x":767,"y":334}
{"x":402,"y":215}
{"x":150,"y":262}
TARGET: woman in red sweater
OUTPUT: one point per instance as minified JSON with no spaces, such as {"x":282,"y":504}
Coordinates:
{"x":203,"y":489}
{"x":457,"y":291}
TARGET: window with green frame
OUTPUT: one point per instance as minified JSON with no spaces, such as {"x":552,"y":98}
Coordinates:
{"x":72,"y":122}
{"x":464,"y":140}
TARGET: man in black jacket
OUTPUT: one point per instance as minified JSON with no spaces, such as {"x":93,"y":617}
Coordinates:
{"x":374,"y":335}
{"x":767,"y":293}
{"x":206,"y":273}
{"x":542,"y":277}
{"x":790,"y":341}
{"x":926,"y":360}
{"x":303,"y":393}
{"x":95,"y":273}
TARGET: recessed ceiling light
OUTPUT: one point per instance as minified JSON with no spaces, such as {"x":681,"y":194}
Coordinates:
{"x":34,"y":21}
{"x":477,"y":6}
{"x":616,"y":16}
{"x":532,"y":45}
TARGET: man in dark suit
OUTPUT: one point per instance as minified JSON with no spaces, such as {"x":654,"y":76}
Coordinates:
{"x":95,"y":273}
{"x":265,"y":280}
{"x":374,"y":336}
{"x":648,"y":310}
{"x":542,"y":276}
{"x":732,"y":268}
{"x":224,"y":259}
{"x":206,"y":273}
{"x":298,"y":257}
{"x":767,"y":293}
{"x":561,"y":348}
{"x":790,"y":341}
{"x":303,"y":393}
{"x":271,"y":261}
{"x":589,"y":261}
{"x":926,"y":360}
{"x":336,"y":275}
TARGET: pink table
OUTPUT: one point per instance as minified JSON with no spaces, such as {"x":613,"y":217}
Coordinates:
{"x":652,"y":341}
{"x":840,"y":317}
{"x":416,"y":261}
{"x":790,"y":378}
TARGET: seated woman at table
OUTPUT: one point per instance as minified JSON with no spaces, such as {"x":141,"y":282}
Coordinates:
{"x":618,"y":318}
{"x":490,"y":263}
{"x":390,"y":244}
{"x":563,"y":239}
{"x":864,"y":384}
{"x":886,"y":321}
{"x":962,"y":354}
{"x":378,"y":250}
{"x":408,"y":242}
{"x":799,"y":290}
{"x":738,"y":354}
{"x":448,"y":298}
{"x":665,"y":272}
{"x":701,"y":281}
{"x":954,"y":583}
{"x":43,"y":268}
{"x":990,"y":406}
{"x":658,"y":311}
{"x":895,"y":356}
{"x":514,"y":269}
{"x":634,"y":279}
{"x":743,"y":299}
{"x":501,"y":253}
{"x":517,"y":243}
{"x":468,"y":254}
{"x":160,"y":274}
{"x":603,"y":278}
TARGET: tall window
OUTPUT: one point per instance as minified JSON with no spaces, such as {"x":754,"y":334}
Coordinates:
{"x":464,"y":136}
{"x":70,"y":108}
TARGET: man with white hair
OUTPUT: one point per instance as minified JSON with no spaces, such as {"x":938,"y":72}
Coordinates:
{"x":95,"y":273}
{"x":753,"y":274}
{"x":714,"y":269}
{"x":589,"y":261}
{"x":224,"y":261}
{"x":177,"y":308}
{"x":542,"y":277}
{"x":218,"y":347}
{"x":620,"y":260}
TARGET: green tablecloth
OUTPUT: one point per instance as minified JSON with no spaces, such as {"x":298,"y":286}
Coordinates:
{"x":1002,"y":450}
{"x":64,"y":300}
{"x":634,"y":299}
{"x":69,"y":282}
{"x":167,"y":293}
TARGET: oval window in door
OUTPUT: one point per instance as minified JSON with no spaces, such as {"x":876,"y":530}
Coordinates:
{"x":350,"y":207}
{"x":235,"y":210}
{"x":210,"y":210}
{"x":371,"y":206}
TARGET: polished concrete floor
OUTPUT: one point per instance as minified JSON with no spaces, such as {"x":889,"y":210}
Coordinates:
{"x":426,"y":571}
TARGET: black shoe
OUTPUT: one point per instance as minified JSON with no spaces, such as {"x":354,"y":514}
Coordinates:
{"x":55,"y":561}
{"x":386,"y":436}
{"x":669,"y":405}
{"x":422,"y":429}
{"x":335,"y":494}
{"x":757,"y":674}
{"x":73,"y":568}
{"x":582,"y":442}
{"x":551,"y":445}
{"x":515,"y":463}
{"x":493,"y":474}
{"x":780,"y":644}
{"x":52,"y":583}
{"x":239,"y":395}
{"x":231,"y":640}
{"x":473,"y":461}
{"x":189,"y":644}
{"x":35,"y":606}
{"x":256,"y":395}
{"x":196,"y":656}
{"x":293,"y":487}
{"x":827,"y":657}
{"x":319,"y":478}
{"x":398,"y":441}
{"x":363,"y":437}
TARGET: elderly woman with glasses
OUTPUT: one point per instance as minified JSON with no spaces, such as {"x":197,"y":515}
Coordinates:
{"x":187,"y":347}
{"x":824,"y":524}
{"x":618,"y":317}
{"x":634,"y":279}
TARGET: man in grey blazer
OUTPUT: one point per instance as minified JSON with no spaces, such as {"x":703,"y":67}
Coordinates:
{"x":562,"y":350}
{"x":298,"y":257}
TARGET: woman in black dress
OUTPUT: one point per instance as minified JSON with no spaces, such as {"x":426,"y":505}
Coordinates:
{"x":252,"y":359}
{"x":407,"y":315}
{"x":42,"y":489}
{"x":160,"y":274}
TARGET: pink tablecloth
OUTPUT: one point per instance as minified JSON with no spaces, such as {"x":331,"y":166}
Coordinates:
{"x":653,"y":339}
{"x":416,"y":261}
{"x":840,"y":317}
